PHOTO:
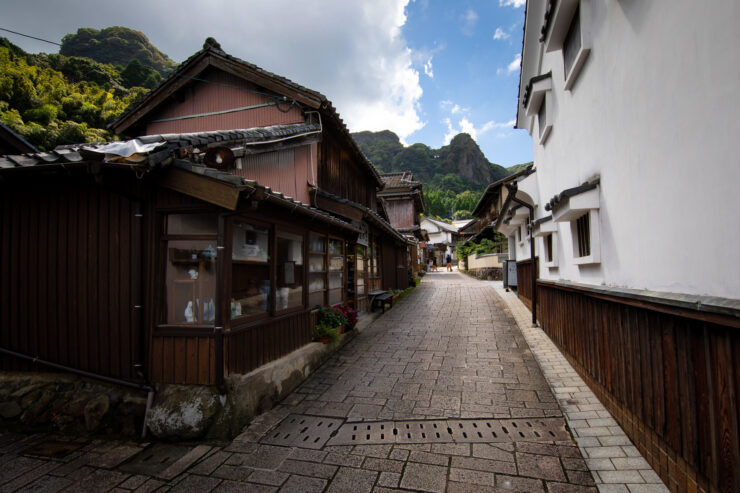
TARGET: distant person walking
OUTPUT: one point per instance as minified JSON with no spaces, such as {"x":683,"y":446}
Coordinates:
{"x":449,"y":263}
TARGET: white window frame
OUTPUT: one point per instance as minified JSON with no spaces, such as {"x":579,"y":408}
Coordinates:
{"x":548,"y":228}
{"x":575,"y":207}
{"x":541,"y":93}
{"x":561,"y":20}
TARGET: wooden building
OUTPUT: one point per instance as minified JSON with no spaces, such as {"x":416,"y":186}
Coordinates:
{"x":403,"y":200}
{"x":199,"y":249}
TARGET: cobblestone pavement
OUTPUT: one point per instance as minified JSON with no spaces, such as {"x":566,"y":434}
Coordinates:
{"x":448,"y":354}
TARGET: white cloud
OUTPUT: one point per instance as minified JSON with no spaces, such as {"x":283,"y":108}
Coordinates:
{"x":428,"y":68}
{"x":512,"y":67}
{"x":512,"y":3}
{"x":464,"y":125}
{"x":469,"y":19}
{"x":353,"y":52}
{"x":501,"y":34}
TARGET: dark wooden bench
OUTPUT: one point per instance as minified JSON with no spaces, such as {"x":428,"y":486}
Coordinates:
{"x":381,"y":300}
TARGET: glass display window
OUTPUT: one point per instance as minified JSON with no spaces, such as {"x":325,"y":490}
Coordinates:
{"x":360,"y":263}
{"x":250,"y":270}
{"x":289,"y":287}
{"x":317,"y":269}
{"x":336,"y":271}
{"x":190,"y":282}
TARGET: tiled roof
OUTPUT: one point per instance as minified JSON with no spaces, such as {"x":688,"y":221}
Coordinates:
{"x":492,"y":189}
{"x":14,"y":140}
{"x":570,"y":192}
{"x":403,"y":179}
{"x":369,"y":213}
{"x":168,"y":144}
{"x":213,"y":48}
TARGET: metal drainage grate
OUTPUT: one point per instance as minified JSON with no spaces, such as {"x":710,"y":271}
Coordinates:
{"x":452,"y":431}
{"x":298,"y":430}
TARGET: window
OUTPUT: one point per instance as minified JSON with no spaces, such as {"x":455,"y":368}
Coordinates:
{"x":583,"y":237}
{"x":250,"y":270}
{"x":289,"y":293}
{"x":374,"y":260}
{"x":539,"y":104}
{"x":336,"y":271}
{"x":360,"y":260}
{"x":190,"y":274}
{"x":316,"y":270}
{"x":569,"y":31}
{"x":547,"y":229}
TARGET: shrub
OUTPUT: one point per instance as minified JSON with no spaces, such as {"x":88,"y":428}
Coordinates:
{"x":323,"y":330}
{"x":331,"y":317}
{"x":350,"y":315}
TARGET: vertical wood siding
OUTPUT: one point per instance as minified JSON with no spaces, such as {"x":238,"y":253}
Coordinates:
{"x":285,"y":171}
{"x":400,"y":213}
{"x":183,"y":359}
{"x":524,"y":280}
{"x":671,"y":381}
{"x":342,"y":175}
{"x":251,"y":347}
{"x":222,"y":92}
{"x":68,"y":276}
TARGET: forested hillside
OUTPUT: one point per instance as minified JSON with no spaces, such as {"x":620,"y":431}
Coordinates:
{"x":454,"y":176}
{"x":52,"y":99}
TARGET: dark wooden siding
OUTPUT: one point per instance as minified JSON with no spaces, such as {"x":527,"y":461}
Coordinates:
{"x":67,"y":257}
{"x":388,"y":267}
{"x":400,"y":213}
{"x":671,"y":380}
{"x":524,"y":280}
{"x":343,"y":175}
{"x":252,"y":346}
{"x":184,"y":359}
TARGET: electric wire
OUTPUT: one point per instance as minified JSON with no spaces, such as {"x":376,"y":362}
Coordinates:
{"x":29,"y":36}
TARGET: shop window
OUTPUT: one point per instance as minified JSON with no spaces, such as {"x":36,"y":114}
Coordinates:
{"x":191,"y":282}
{"x":289,"y":293}
{"x":250,"y":270}
{"x":336,"y":271}
{"x":374,"y":258}
{"x":360,"y":263}
{"x":317,"y":269}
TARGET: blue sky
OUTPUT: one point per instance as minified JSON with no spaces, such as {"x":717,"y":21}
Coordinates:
{"x":472,"y":80}
{"x":425,"y":69}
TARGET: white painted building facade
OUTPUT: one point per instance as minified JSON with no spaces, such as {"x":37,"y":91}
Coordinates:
{"x":443,"y":236}
{"x":633,"y":111}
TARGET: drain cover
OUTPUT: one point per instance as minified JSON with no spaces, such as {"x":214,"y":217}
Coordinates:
{"x":298,"y":430}
{"x":155,"y":459}
{"x":452,"y":431}
{"x":53,"y":449}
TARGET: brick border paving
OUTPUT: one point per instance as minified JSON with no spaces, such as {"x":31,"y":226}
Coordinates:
{"x":616,"y":464}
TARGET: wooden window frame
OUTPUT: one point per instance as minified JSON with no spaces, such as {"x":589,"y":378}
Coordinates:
{"x":343,"y":271}
{"x":304,"y":302}
{"x":325,"y":272}
{"x":229,"y":266}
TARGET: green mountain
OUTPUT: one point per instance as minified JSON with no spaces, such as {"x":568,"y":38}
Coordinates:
{"x":116,"y":46}
{"x":454,"y":176}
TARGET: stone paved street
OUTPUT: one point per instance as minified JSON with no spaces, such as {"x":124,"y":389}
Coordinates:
{"x":450,"y":350}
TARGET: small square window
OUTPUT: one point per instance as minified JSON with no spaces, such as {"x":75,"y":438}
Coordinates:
{"x":583,"y":236}
{"x":548,"y":248}
{"x":568,"y":31}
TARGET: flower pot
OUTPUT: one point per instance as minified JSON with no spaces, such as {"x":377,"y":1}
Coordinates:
{"x":323,"y":340}
{"x":340,"y":329}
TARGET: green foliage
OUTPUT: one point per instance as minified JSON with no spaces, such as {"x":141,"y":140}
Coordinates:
{"x":498,"y":244}
{"x":115,"y":46}
{"x":53,"y":100}
{"x":323,"y":330}
{"x":454,"y":176}
{"x":330,"y":317}
{"x":137,"y":75}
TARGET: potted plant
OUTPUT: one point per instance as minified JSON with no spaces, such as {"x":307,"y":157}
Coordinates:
{"x":331,"y":317}
{"x":350,"y":314}
{"x":325,"y":334}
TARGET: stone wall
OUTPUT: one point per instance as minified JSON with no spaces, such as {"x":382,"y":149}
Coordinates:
{"x":67,"y":403}
{"x":487,"y":273}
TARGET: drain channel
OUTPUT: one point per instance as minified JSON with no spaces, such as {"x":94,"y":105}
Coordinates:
{"x":298,"y":430}
{"x":314,"y":432}
{"x":452,"y":431}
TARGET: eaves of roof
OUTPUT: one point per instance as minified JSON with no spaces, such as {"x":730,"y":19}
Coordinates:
{"x":491,"y":189}
{"x":8,"y":134}
{"x":571,"y":192}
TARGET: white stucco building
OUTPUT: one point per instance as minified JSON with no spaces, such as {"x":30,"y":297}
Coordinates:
{"x":642,"y":99}
{"x":442,"y":239}
{"x":633,"y":206}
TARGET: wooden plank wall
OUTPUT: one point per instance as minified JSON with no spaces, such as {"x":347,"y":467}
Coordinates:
{"x":183,"y":359}
{"x":67,"y":277}
{"x":342,"y":175}
{"x":252,"y":346}
{"x":671,"y":381}
{"x":388,"y":267}
{"x":400,"y":213}
{"x":524,"y":280}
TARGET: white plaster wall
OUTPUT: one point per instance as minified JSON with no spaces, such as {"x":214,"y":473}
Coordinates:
{"x":655,"y":112}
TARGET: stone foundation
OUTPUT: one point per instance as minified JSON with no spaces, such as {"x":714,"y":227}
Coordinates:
{"x":70,"y":404}
{"x":487,"y":273}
